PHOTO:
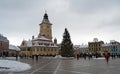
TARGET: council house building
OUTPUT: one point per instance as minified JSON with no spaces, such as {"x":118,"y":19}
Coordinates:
{"x":42,"y":45}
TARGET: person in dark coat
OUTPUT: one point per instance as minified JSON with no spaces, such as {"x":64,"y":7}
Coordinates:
{"x":36,"y":57}
{"x":78,"y":56}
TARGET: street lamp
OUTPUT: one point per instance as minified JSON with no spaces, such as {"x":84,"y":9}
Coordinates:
{"x":26,"y":52}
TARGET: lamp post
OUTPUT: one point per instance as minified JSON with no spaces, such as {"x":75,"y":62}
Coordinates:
{"x":26,"y":52}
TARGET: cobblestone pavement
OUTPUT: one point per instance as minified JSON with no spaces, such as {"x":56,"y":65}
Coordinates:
{"x":71,"y":66}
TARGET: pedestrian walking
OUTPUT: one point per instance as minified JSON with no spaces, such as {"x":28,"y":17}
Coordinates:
{"x":78,"y":56}
{"x":36,"y":57}
{"x":85,"y":55}
{"x":107,"y":56}
{"x":16,"y":57}
{"x":32,"y":57}
{"x":89,"y":56}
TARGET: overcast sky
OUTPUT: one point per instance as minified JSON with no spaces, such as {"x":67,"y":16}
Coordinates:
{"x":84,"y":19}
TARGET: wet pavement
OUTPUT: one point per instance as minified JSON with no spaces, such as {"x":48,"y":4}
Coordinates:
{"x":70,"y":66}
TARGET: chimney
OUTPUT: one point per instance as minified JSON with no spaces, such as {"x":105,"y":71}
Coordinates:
{"x":32,"y":37}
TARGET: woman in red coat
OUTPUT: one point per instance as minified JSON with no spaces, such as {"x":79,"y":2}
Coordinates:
{"x":107,"y":56}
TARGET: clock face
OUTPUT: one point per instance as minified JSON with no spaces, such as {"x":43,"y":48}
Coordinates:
{"x":46,"y":27}
{"x":43,"y":27}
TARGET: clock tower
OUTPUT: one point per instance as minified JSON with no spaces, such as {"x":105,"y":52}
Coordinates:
{"x":45,"y":28}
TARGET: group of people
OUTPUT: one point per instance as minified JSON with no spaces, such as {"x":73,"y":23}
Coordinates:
{"x":90,"y":55}
{"x":84,"y":55}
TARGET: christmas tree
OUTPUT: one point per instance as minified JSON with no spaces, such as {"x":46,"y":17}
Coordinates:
{"x":67,"y":45}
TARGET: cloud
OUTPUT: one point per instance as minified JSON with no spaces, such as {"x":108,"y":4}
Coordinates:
{"x":85,"y":19}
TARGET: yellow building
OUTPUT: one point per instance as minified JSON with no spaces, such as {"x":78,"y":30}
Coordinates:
{"x":95,"y":46}
{"x":43,"y":44}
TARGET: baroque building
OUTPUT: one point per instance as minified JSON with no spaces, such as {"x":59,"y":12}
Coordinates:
{"x":100,"y":47}
{"x":95,"y":47}
{"x":80,"y":49}
{"x":41,"y":45}
{"x":114,"y":48}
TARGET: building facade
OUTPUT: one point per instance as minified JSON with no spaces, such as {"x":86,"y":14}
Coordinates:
{"x":95,"y":47}
{"x":80,"y":49}
{"x":4,"y":45}
{"x":42,"y":44}
{"x":13,"y":51}
{"x":114,"y":48}
{"x":106,"y":48}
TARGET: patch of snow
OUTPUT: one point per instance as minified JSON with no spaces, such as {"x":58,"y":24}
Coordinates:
{"x":58,"y":56}
{"x":13,"y":66}
{"x":64,"y":58}
{"x":9,"y":58}
{"x":41,"y":38}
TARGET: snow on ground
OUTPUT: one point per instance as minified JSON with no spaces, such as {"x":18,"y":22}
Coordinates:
{"x":58,"y":56}
{"x":9,"y":58}
{"x":13,"y":66}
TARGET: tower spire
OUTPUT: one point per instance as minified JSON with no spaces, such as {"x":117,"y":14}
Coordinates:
{"x":45,"y":18}
{"x":45,"y":27}
{"x":45,"y":15}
